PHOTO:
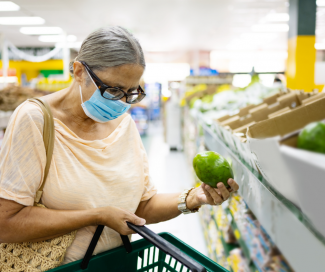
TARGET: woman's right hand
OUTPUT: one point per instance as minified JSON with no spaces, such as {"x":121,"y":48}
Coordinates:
{"x":116,"y":218}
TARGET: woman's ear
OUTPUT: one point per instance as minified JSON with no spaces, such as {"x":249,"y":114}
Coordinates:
{"x":78,"y":71}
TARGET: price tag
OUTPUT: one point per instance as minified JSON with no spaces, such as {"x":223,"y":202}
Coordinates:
{"x":237,"y":234}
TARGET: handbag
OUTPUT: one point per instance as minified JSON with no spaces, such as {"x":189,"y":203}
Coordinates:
{"x":45,"y":255}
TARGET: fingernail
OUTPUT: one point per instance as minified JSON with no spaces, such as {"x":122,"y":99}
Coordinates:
{"x":141,"y":222}
{"x":219,"y":185}
{"x":230,"y":181}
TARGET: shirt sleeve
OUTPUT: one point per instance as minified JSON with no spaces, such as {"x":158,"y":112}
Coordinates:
{"x":22,"y":155}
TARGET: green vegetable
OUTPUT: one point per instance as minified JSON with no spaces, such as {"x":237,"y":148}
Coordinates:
{"x":211,"y":168}
{"x":312,"y":137}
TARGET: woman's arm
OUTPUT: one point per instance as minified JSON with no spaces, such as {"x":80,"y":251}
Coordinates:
{"x":19,"y":223}
{"x":163,"y":207}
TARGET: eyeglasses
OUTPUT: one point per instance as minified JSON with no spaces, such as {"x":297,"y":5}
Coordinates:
{"x":116,"y":93}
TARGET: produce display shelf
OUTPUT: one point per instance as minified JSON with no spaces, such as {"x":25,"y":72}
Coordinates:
{"x":226,"y":246}
{"x":242,"y":243}
{"x":206,"y":236}
{"x":301,"y":245}
{"x":238,"y":235}
{"x":229,"y":246}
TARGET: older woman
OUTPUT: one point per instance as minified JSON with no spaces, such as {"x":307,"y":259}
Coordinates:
{"x":99,"y":170}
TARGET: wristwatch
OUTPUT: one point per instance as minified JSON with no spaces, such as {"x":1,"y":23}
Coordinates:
{"x":182,"y":202}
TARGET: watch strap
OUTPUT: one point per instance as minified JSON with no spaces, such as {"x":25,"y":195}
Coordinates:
{"x":182,"y":202}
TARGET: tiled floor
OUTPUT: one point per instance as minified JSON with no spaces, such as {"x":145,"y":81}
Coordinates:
{"x":171,"y":173}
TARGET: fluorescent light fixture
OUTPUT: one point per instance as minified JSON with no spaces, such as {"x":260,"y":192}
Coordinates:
{"x":320,"y":46}
{"x":41,"y":30}
{"x":56,"y":38}
{"x":320,"y":3}
{"x":8,"y":6}
{"x":277,"y":17}
{"x":271,"y":28}
{"x":21,"y":21}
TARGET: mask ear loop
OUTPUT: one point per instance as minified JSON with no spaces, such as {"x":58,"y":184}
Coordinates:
{"x":80,"y":94}
{"x":80,"y":86}
{"x":91,"y":78}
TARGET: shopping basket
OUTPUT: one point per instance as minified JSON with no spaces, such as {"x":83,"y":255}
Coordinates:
{"x":154,"y":253}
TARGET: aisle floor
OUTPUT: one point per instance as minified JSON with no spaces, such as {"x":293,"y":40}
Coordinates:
{"x":171,"y":173}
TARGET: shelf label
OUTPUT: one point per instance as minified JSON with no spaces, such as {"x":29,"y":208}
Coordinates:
{"x":237,"y":234}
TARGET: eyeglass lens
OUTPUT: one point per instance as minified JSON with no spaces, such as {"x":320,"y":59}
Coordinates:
{"x":112,"y":93}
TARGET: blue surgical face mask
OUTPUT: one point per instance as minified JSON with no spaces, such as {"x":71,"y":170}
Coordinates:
{"x":103,"y":110}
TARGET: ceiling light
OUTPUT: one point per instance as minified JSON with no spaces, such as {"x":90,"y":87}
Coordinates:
{"x":21,"y":21}
{"x":41,"y":30}
{"x":57,"y":38}
{"x":8,"y":6}
{"x":320,"y":46}
{"x":320,"y":3}
{"x":277,"y":17}
{"x":271,"y":28}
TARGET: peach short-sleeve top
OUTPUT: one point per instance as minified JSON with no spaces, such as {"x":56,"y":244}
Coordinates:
{"x":83,"y":174}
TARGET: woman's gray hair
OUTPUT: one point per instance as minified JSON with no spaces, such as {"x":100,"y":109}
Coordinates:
{"x":110,"y":47}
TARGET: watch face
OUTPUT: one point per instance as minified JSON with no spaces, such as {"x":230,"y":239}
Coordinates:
{"x":182,"y":207}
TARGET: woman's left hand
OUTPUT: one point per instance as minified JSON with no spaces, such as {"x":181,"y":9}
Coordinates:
{"x":207,"y":195}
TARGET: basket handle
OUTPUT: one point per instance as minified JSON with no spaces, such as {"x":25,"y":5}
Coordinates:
{"x":163,"y":245}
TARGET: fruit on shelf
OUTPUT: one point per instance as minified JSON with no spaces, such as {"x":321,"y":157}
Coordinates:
{"x":312,"y":137}
{"x":211,"y":168}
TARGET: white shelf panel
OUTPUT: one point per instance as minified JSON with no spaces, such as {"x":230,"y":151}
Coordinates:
{"x":304,"y":250}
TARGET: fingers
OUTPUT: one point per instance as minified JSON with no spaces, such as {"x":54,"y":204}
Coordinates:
{"x":132,"y":218}
{"x":136,"y":220}
{"x":208,"y":196}
{"x":233,"y":185}
{"x":223,"y":190}
{"x":217,"y":200}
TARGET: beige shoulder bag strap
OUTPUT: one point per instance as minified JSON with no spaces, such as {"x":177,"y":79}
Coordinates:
{"x":48,"y":138}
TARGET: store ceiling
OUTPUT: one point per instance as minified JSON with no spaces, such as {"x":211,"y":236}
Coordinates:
{"x":167,"y":25}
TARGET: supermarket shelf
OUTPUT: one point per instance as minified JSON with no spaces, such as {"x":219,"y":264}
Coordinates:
{"x":238,"y":236}
{"x":242,"y":243}
{"x":228,"y":247}
{"x":301,"y":246}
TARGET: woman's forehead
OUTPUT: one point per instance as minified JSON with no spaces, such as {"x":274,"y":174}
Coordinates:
{"x":122,"y":76}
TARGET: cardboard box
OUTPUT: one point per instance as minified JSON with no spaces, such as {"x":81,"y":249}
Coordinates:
{"x":244,"y":111}
{"x":251,"y":115}
{"x":308,"y":170}
{"x":243,"y":128}
{"x":313,"y":98}
{"x":263,"y":139}
{"x":289,"y":122}
{"x":262,"y":111}
{"x":279,"y":112}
